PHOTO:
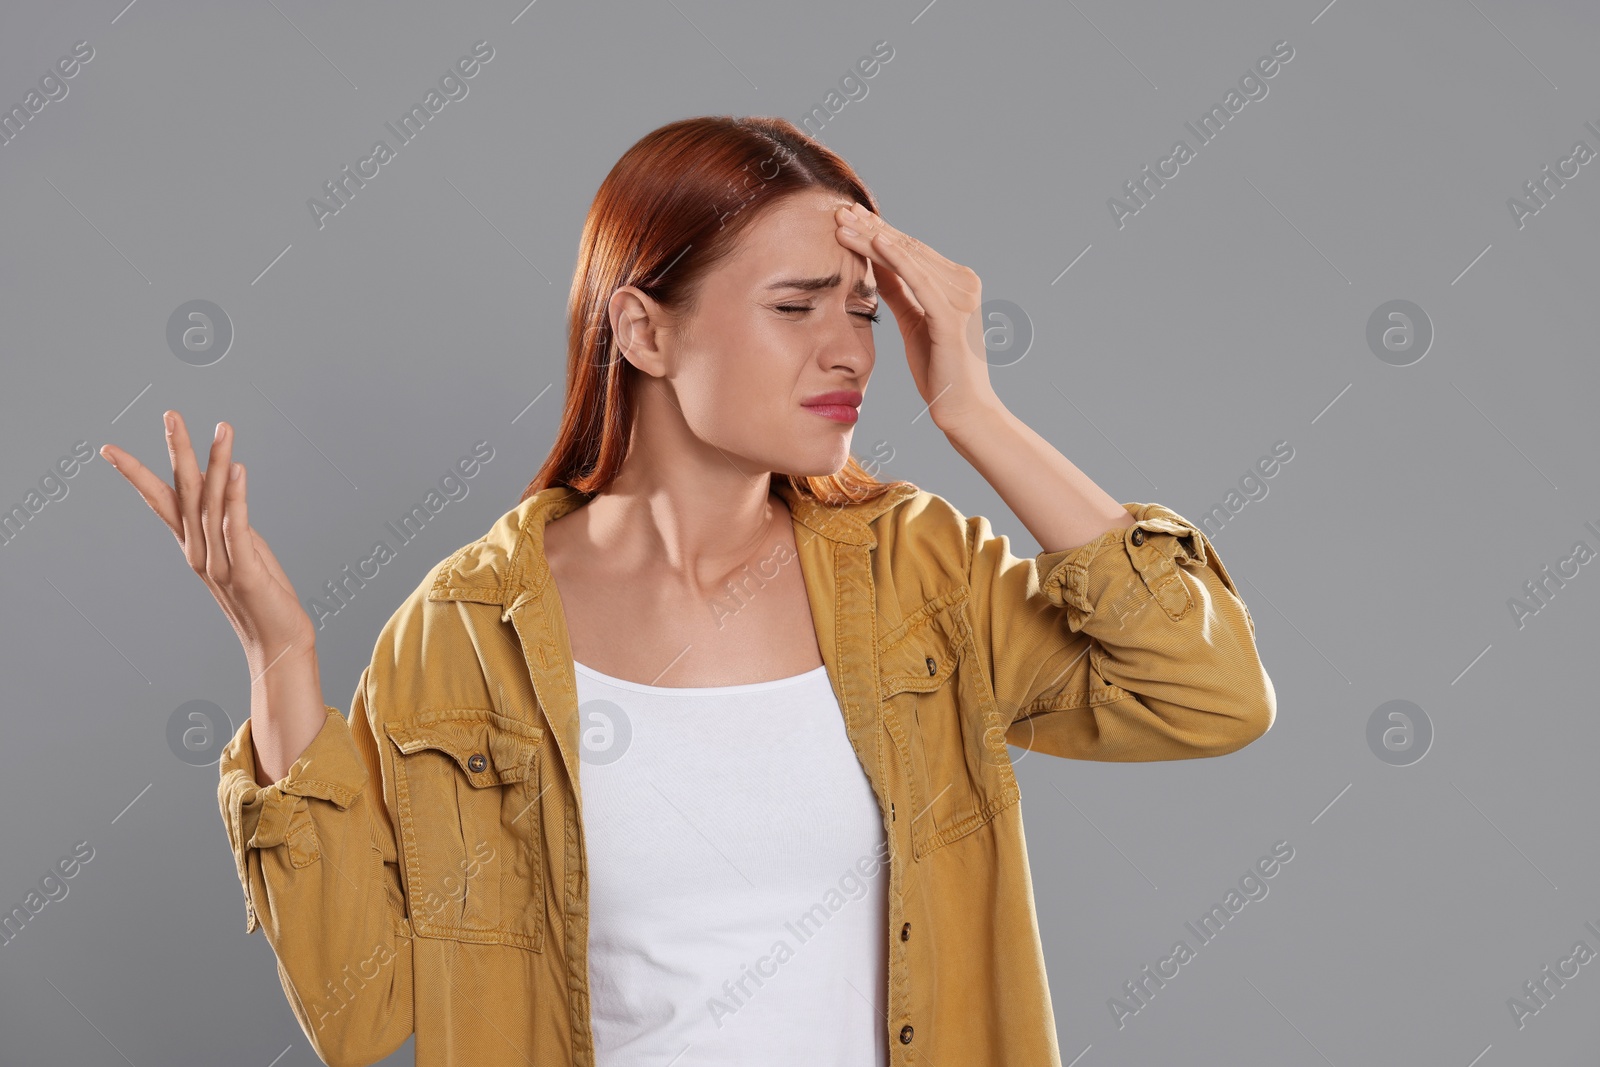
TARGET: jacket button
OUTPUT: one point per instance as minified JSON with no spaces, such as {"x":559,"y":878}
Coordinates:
{"x":905,"y":932}
{"x":1138,"y":536}
{"x":933,"y":668}
{"x":905,"y":1034}
{"x":476,"y":762}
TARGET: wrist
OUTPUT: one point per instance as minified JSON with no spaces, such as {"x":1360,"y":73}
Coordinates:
{"x":271,"y":661}
{"x":977,"y":423}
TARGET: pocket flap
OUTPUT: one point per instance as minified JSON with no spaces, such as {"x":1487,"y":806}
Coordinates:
{"x":490,"y":748}
{"x":922,"y":655}
{"x":921,"y":663}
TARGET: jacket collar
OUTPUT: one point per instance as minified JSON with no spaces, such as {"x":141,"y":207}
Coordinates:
{"x":507,"y":565}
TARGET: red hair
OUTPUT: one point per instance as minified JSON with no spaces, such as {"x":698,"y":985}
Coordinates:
{"x":668,"y":211}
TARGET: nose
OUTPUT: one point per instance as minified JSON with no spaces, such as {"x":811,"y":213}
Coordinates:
{"x":848,"y":345}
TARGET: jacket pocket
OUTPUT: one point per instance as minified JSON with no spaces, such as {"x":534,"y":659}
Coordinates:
{"x":466,"y":792}
{"x":945,"y":724}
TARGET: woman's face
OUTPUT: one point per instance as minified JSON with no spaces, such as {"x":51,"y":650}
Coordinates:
{"x":780,"y":321}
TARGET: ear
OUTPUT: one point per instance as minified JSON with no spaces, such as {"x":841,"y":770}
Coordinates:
{"x":637,"y":322}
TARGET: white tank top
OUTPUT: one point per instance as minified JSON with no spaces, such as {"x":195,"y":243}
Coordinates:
{"x":738,"y":877}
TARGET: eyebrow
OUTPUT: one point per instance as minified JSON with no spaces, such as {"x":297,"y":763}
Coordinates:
{"x":861,"y":288}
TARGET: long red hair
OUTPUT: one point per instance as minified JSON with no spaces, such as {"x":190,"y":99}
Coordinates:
{"x":670,"y":208}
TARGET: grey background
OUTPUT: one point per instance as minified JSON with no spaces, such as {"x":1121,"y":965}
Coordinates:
{"x":1229,"y":314}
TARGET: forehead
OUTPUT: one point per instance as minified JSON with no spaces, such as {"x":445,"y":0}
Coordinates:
{"x":795,"y":237}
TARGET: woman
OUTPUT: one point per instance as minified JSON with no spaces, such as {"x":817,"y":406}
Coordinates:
{"x":704,"y":806}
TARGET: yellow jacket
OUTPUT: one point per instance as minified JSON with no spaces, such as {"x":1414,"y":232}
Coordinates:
{"x":421,"y":866}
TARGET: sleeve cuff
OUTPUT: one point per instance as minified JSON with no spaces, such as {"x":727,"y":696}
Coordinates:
{"x":264,"y":816}
{"x":1078,"y":578}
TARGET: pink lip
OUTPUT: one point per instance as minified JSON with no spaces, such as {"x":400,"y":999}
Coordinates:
{"x":840,"y":405}
{"x":837,"y":412}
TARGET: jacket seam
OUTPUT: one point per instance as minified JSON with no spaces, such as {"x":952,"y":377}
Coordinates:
{"x":1096,"y":696}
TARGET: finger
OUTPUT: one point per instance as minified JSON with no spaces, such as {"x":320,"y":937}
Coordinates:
{"x":155,"y":492}
{"x":186,"y":481}
{"x":890,"y":247}
{"x":935,"y":264}
{"x":901,"y":300}
{"x":237,"y":537}
{"x":927,"y":292}
{"x":211,"y":495}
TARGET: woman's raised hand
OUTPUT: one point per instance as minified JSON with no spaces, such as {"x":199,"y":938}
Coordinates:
{"x":937,"y":304}
{"x":207,"y":513}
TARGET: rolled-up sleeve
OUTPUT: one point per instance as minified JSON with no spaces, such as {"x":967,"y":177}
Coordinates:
{"x":317,"y":860}
{"x":1135,"y":646}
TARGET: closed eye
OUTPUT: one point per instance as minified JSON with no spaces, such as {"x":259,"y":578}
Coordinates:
{"x":870,"y":316}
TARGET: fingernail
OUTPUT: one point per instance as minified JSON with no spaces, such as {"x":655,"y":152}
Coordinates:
{"x":233,"y":473}
{"x":167,"y":420}
{"x":218,"y":435}
{"x":848,"y":232}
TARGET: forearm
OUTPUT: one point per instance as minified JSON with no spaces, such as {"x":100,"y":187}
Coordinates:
{"x":1058,"y":503}
{"x":286,"y":708}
